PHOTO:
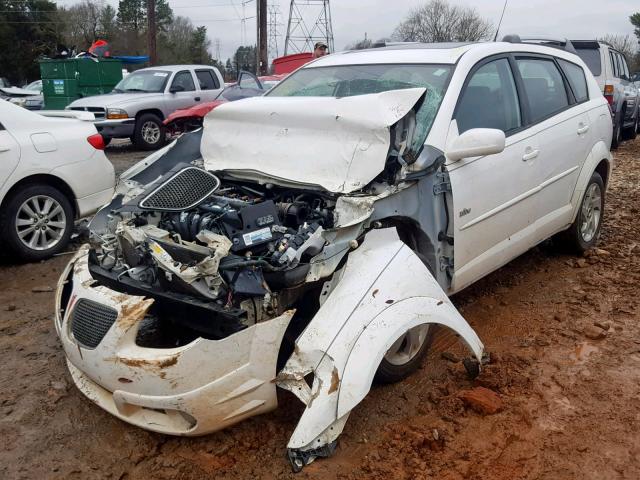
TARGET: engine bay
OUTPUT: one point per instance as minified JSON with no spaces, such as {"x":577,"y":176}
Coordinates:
{"x":229,"y":253}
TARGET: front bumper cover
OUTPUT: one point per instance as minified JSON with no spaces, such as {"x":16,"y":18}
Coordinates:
{"x":190,"y":390}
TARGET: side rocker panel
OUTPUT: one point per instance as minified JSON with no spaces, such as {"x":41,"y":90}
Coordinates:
{"x":383,"y":291}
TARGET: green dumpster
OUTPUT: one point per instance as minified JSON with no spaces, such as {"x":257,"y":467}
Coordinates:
{"x":64,"y":81}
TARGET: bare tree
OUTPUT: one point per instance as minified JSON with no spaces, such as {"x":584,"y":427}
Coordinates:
{"x":625,"y":44}
{"x":438,"y":21}
{"x":83,"y":23}
{"x":360,"y":44}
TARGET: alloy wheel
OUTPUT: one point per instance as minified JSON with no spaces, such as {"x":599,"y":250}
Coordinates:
{"x":591,"y":212}
{"x":150,"y":132}
{"x":407,"y":346}
{"x":40,"y":222}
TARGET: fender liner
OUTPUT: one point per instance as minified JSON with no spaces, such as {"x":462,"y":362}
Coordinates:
{"x":383,"y":290}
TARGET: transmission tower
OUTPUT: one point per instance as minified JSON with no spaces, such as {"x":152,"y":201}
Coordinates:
{"x":302,"y":34}
{"x":274,"y":30}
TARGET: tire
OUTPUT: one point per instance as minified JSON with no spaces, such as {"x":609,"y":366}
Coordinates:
{"x":403,"y":358}
{"x":43,"y":206}
{"x":149,"y":132}
{"x":631,"y":132}
{"x":584,"y":232}
{"x":616,"y":140}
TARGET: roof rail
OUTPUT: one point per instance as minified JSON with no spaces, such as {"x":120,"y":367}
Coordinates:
{"x":560,"y":43}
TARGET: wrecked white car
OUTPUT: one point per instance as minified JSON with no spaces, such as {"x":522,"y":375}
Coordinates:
{"x":308,"y":239}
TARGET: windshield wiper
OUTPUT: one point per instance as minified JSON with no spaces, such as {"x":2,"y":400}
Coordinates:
{"x":136,"y":90}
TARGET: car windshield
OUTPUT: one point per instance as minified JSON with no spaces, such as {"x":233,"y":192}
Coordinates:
{"x":35,"y":86}
{"x":351,"y":80}
{"x":143,"y":81}
{"x":591,"y":56}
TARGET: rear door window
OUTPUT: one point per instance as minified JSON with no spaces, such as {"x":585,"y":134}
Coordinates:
{"x":577,"y":80}
{"x":207,"y":80}
{"x":591,"y":56}
{"x":624,"y":67}
{"x":490,"y":99}
{"x":614,"y":64}
{"x":185,"y":80}
{"x":544,"y":87}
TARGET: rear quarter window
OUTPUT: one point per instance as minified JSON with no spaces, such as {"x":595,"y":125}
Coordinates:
{"x":577,"y":80}
{"x":591,"y":56}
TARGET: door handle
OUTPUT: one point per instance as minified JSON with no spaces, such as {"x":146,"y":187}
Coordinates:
{"x":583,"y":129}
{"x":530,"y":154}
{"x":197,"y":99}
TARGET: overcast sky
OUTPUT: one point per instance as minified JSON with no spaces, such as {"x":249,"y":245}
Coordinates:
{"x":378,"y":18}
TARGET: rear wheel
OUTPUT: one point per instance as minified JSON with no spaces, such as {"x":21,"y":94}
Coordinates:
{"x":405,"y":355}
{"x":36,"y":222}
{"x":584,"y":232}
{"x":149,"y":132}
{"x":617,"y":136}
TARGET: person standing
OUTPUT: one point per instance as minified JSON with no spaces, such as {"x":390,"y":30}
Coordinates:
{"x":320,"y":49}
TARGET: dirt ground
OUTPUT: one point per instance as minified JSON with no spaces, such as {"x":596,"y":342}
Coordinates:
{"x":564,"y":337}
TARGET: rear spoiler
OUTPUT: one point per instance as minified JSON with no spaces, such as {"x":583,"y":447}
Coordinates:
{"x":77,"y":115}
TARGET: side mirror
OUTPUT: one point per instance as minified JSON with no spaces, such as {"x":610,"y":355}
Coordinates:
{"x":176,"y":88}
{"x":476,"y":142}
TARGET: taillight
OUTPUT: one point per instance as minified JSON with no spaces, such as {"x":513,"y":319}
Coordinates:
{"x":608,"y":93}
{"x":96,"y":141}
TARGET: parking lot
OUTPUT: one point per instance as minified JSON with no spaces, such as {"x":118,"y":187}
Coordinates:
{"x":563,"y":334}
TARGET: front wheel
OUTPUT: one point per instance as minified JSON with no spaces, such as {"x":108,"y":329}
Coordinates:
{"x":584,"y":232}
{"x":405,"y":355}
{"x":149,"y":132}
{"x":37,"y":222}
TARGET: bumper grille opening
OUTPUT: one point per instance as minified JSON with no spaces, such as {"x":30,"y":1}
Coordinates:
{"x":90,"y":322}
{"x":186,"y":189}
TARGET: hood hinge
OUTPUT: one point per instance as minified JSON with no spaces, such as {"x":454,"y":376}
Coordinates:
{"x":442,"y":184}
{"x":446,"y":263}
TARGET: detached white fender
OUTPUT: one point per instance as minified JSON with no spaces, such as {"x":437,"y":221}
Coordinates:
{"x":383,"y":291}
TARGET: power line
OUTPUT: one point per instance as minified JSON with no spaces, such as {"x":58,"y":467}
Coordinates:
{"x":301,"y":34}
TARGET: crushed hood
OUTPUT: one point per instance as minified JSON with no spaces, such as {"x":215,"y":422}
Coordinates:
{"x":340,"y":144}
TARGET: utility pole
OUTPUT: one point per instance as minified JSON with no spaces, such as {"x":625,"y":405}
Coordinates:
{"x":151,"y":32}
{"x":263,"y":55}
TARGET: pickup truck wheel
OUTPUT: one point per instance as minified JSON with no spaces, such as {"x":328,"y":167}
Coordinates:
{"x":149,"y":132}
{"x":405,"y":355}
{"x":584,"y":232}
{"x":36,"y":222}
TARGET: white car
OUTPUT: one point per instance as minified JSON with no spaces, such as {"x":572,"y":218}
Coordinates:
{"x":52,"y":171}
{"x":309,"y":239}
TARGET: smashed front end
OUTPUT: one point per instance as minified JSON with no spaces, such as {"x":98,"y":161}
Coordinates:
{"x":205,"y":287}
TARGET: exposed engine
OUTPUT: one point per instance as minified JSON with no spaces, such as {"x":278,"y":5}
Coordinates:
{"x":240,"y":251}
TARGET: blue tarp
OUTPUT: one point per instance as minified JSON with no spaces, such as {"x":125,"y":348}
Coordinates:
{"x":132,"y":59}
